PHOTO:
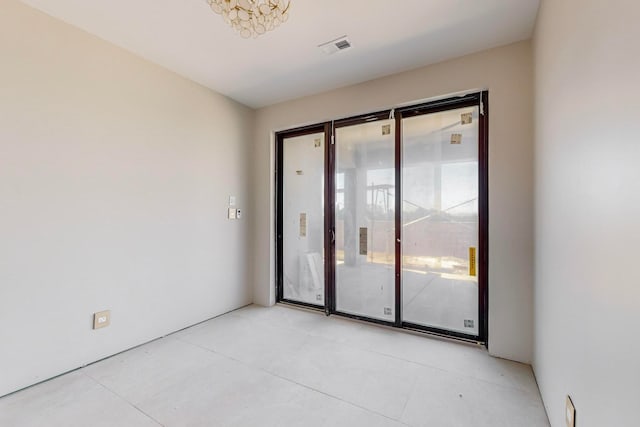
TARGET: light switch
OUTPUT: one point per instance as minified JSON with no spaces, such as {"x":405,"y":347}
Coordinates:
{"x":232,"y":213}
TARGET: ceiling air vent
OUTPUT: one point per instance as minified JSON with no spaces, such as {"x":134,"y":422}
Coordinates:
{"x":334,"y":46}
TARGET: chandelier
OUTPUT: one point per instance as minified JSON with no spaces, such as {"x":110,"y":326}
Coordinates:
{"x":251,"y":17}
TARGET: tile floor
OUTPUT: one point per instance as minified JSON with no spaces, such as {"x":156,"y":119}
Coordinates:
{"x":283,"y":366}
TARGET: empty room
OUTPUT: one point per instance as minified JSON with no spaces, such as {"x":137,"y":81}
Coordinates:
{"x":319,"y":213}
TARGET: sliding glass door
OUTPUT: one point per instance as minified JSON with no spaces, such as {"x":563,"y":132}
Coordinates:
{"x":301,"y":230}
{"x":440,"y":222}
{"x":383,"y":217}
{"x":365,"y":219}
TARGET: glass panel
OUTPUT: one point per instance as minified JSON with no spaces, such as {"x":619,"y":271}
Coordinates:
{"x":440,"y":220}
{"x":303,"y":218}
{"x":365,"y":220}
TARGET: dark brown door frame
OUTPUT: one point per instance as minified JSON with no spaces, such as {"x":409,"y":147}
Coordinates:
{"x":479,"y":99}
{"x":280,"y":137}
{"x":353,"y":121}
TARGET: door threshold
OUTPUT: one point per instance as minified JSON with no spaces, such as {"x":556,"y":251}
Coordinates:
{"x":385,"y":325}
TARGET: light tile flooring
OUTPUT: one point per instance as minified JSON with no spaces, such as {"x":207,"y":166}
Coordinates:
{"x":282,"y":366}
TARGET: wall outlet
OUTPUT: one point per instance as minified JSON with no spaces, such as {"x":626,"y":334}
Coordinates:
{"x":101,"y":319}
{"x":570,"y":413}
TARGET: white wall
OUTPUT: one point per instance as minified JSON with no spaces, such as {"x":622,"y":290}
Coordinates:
{"x":507,"y":73}
{"x":114,"y":178}
{"x":587,"y":153}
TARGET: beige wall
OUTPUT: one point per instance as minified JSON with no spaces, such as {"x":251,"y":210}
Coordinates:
{"x":587,"y":293}
{"x":507,"y":73}
{"x":114,"y":178}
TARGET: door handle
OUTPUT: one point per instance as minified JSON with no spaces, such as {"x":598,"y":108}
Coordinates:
{"x":332,"y":235}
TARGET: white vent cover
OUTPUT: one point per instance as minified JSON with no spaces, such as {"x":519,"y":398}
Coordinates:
{"x":336,"y":45}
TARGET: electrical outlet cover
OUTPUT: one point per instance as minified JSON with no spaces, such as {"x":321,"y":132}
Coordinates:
{"x":101,"y":319}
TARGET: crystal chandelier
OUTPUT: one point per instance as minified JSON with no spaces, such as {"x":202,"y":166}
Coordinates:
{"x":251,"y":17}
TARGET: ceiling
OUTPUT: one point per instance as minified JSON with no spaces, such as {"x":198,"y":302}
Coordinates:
{"x":388,"y":36}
